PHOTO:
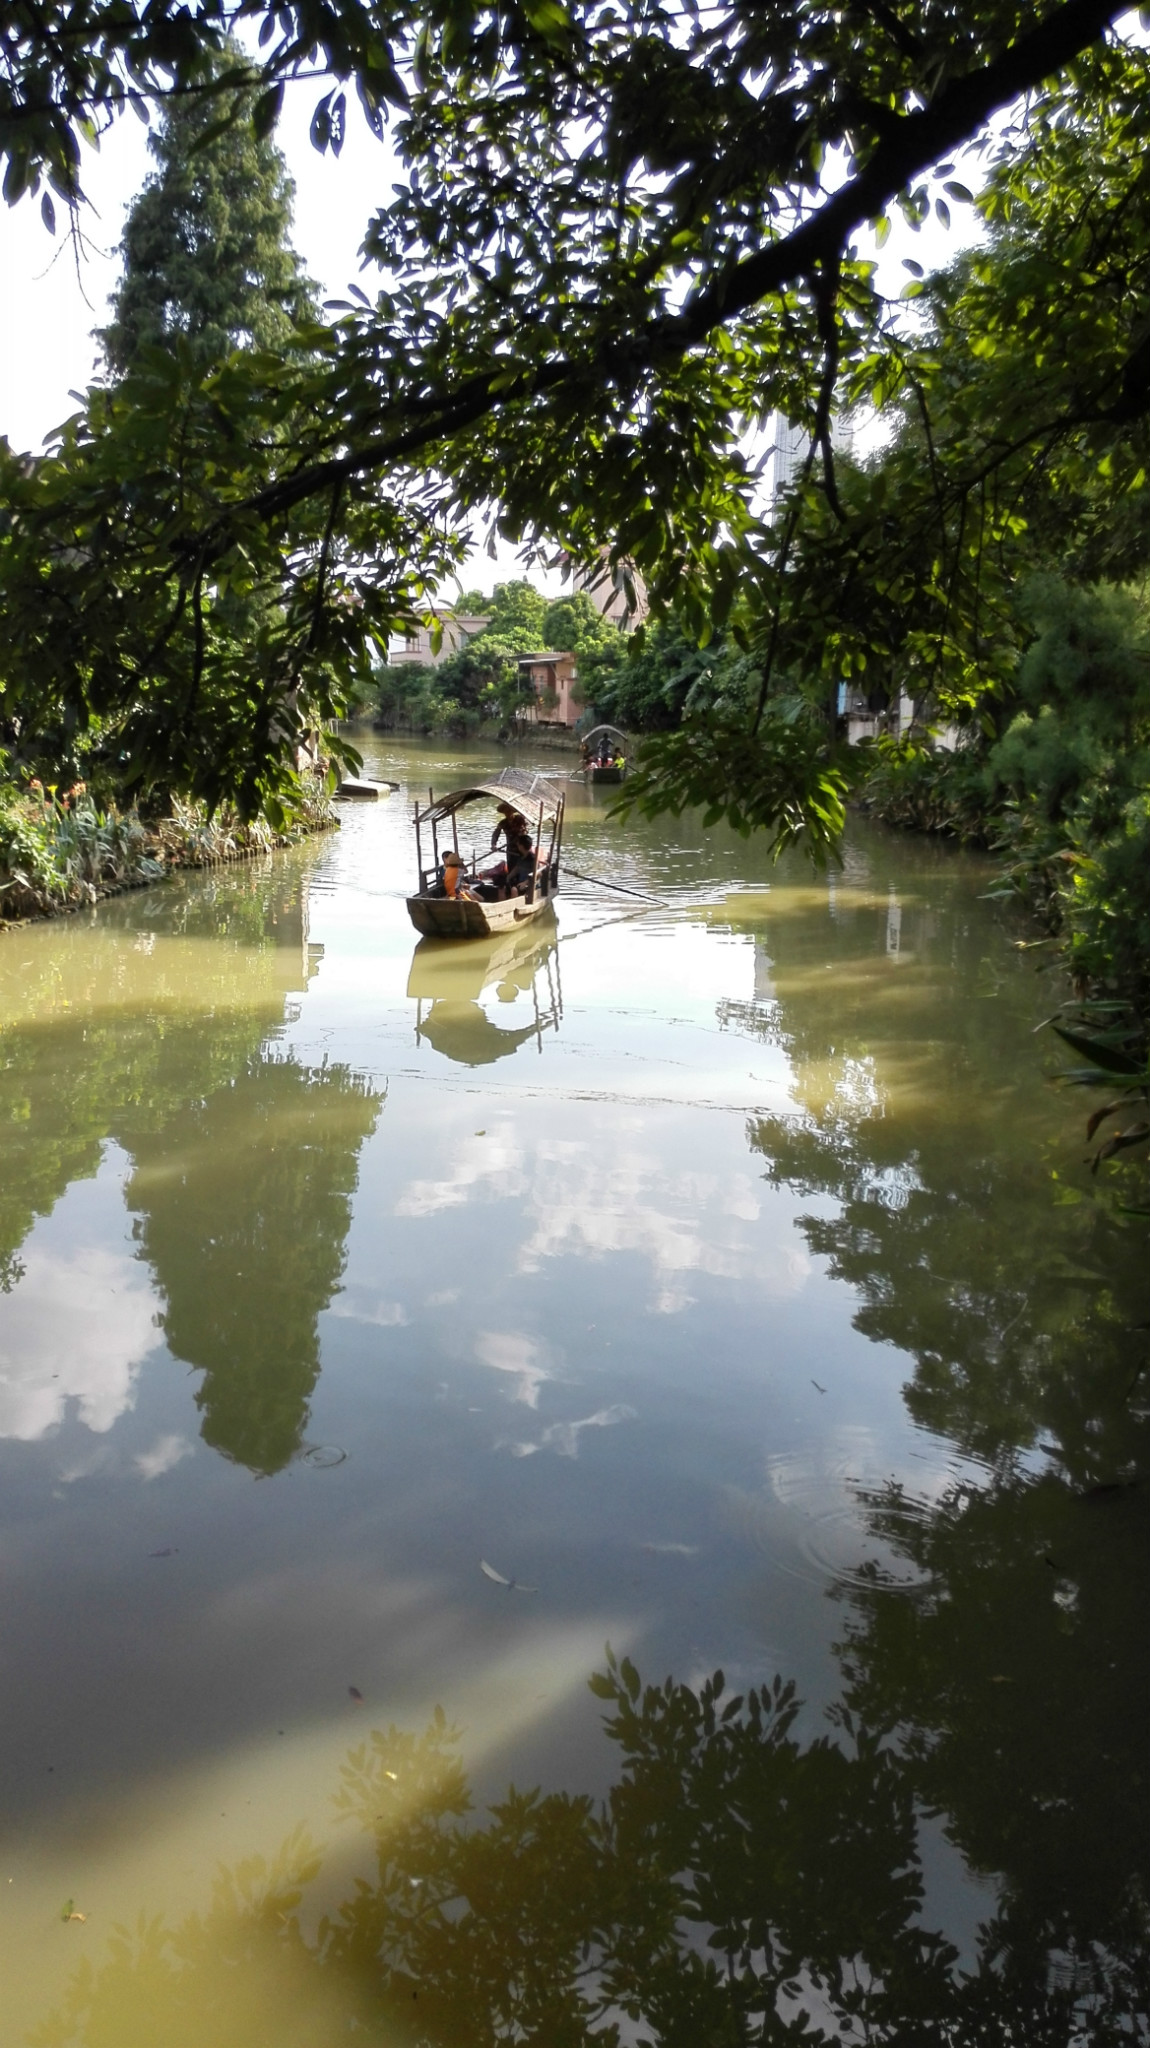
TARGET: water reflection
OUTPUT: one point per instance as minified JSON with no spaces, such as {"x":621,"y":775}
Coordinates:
{"x":741,"y":1882}
{"x":151,"y":1032}
{"x":1022,"y":1667}
{"x":523,"y":968}
{"x":588,"y":1334}
{"x":243,"y":1202}
{"x":1022,"y":1314}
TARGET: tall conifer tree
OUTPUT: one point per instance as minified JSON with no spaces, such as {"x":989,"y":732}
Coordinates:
{"x":205,"y":245}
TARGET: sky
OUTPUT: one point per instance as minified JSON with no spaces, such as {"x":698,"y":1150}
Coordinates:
{"x":52,"y":302}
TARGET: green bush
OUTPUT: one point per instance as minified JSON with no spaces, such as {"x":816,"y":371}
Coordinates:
{"x":59,"y":850}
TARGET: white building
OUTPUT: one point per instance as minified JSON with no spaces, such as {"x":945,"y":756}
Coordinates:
{"x":789,"y":447}
{"x":787,"y":453}
{"x":415,"y":644}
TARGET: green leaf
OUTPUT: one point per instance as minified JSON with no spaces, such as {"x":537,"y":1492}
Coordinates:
{"x":1107,"y":1057}
{"x":266,"y":111}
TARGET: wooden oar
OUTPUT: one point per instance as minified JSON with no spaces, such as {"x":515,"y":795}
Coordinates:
{"x":621,"y":886}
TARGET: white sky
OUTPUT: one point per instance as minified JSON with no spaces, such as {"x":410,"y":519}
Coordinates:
{"x":51,"y":305}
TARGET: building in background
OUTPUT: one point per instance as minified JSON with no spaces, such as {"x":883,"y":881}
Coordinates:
{"x":549,"y":689}
{"x":787,"y":454}
{"x":415,"y":644}
{"x":789,"y":446}
{"x":867,"y":713}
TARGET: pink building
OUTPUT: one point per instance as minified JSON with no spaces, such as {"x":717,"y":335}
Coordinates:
{"x":549,"y":687}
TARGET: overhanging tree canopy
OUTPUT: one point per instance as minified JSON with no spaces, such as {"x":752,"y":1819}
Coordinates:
{"x":624,"y":236}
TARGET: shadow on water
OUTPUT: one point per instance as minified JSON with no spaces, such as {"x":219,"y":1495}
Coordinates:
{"x":242,"y":1161}
{"x":737,"y":1885}
{"x":1018,"y":1670}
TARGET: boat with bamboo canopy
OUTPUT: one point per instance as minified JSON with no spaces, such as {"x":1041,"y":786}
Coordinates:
{"x":465,"y":894}
{"x":605,"y":754}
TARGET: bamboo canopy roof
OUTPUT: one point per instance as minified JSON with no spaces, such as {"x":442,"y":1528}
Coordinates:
{"x":515,"y":786}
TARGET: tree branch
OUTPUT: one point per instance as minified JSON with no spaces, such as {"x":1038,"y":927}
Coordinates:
{"x":913,"y":142}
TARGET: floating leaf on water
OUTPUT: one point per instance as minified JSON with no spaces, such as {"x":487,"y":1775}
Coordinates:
{"x":68,"y":1911}
{"x":323,"y":1456}
{"x":355,"y":1695}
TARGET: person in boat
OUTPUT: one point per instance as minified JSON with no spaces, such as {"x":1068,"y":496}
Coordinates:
{"x":509,"y":822}
{"x":455,"y":878}
{"x":520,"y":863}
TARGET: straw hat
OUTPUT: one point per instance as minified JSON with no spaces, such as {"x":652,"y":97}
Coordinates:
{"x":452,"y":860}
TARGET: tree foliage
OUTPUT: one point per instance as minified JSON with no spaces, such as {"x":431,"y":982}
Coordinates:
{"x":205,"y":246}
{"x":620,"y":239}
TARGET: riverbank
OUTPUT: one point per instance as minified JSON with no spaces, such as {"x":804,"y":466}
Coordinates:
{"x":556,"y":739}
{"x":60,"y":853}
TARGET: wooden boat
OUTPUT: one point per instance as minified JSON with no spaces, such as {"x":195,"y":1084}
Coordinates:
{"x":605,"y":754}
{"x":469,"y":916}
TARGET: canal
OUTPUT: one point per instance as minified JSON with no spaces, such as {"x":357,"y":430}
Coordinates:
{"x":386,"y":1332}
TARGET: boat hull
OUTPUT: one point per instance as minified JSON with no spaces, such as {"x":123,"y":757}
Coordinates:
{"x":447,"y":917}
{"x":606,"y":774}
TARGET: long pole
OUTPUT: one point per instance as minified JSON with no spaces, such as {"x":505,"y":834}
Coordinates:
{"x":538,"y":851}
{"x":620,"y":886}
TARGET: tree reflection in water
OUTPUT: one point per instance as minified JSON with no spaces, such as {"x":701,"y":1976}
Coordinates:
{"x":737,"y":1886}
{"x":244,"y":1162}
{"x":244,"y":1202}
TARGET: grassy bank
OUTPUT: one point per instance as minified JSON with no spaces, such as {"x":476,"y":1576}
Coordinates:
{"x":59,"y":851}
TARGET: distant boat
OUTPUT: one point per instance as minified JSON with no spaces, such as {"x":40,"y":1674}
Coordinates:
{"x":605,"y":751}
{"x":465,"y":910}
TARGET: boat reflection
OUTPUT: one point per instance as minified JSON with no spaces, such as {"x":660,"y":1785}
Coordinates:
{"x":449,"y":977}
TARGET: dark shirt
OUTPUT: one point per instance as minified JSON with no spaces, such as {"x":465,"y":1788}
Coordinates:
{"x":520,"y":866}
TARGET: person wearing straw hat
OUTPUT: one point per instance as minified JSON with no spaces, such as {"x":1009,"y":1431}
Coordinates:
{"x":455,"y":877}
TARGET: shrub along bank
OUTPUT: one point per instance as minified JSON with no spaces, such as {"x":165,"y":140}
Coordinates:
{"x":1059,"y":784}
{"x":59,"y":850}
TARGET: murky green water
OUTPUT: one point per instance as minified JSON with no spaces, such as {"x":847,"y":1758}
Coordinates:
{"x":701,"y":1270}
